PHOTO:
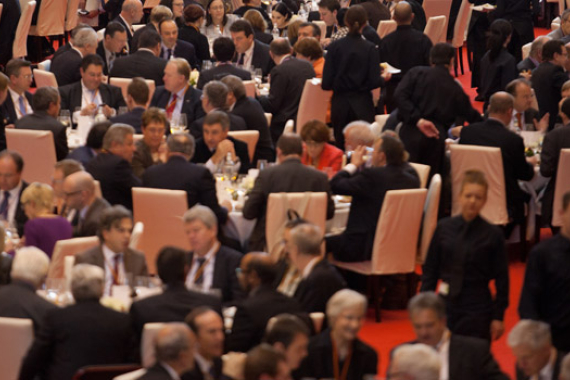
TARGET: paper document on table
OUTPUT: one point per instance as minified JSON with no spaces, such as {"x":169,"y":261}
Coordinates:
{"x":484,"y":8}
{"x":389,"y":68}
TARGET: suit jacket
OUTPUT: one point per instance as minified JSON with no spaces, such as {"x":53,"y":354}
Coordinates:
{"x":90,"y":224}
{"x":143,"y":63}
{"x":289,"y":176}
{"x":19,"y":300}
{"x":252,"y":315}
{"x":66,"y":67}
{"x":61,"y":50}
{"x":192,"y":106}
{"x":9,"y":111}
{"x":225,"y":279}
{"x":196,"y":373}
{"x":287,"y":83}
{"x":261,"y":58}
{"x":526,"y":64}
{"x":5,"y":268}
{"x":547,"y":80}
{"x":134,"y":261}
{"x":41,"y":121}
{"x":184,"y":49}
{"x":493,"y":133}
{"x":134,"y":43}
{"x":72,"y":93}
{"x":202,"y":153}
{"x":197,"y":39}
{"x":116,"y":178}
{"x":315,"y":290}
{"x":219,"y":71}
{"x":83,"y":154}
{"x":179,"y":174}
{"x":86,"y":333}
{"x":252,"y":113}
{"x":173,"y":305}
{"x":132,"y":118}
{"x":101,"y":53}
{"x":496,"y":75}
{"x":115,"y":16}
{"x":156,"y":372}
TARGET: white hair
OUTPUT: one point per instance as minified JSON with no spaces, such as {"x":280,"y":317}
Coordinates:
{"x":535,"y":334}
{"x":203,"y":214}
{"x":342,"y":300}
{"x":84,"y":37}
{"x":419,"y":361}
{"x":360,"y":132}
{"x":87,"y":282}
{"x":30,"y":264}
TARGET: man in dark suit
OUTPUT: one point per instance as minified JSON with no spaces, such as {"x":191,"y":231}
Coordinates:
{"x":524,"y":117}
{"x":174,"y":304}
{"x":548,"y":78}
{"x":66,"y":67}
{"x":18,"y":103}
{"x":252,"y":113}
{"x":90,"y":94}
{"x":250,"y":53}
{"x":493,"y":132}
{"x":173,"y":47}
{"x":112,"y":167}
{"x":19,"y":299}
{"x":368,"y":187}
{"x":144,"y":63}
{"x":180,"y":174}
{"x":289,"y":176}
{"x":531,"y":343}
{"x":404,"y":48}
{"x":534,"y":57}
{"x":137,"y":98}
{"x":113,"y":255}
{"x":463,"y":357}
{"x":212,"y":265}
{"x":46,"y":102}
{"x":112,"y":46}
{"x":79,"y":190}
{"x":86,"y":333}
{"x":131,"y":13}
{"x":215,"y":98}
{"x":11,"y":188}
{"x":288,"y":79}
{"x":320,"y":280}
{"x":263,"y":302}
{"x":256,"y":5}
{"x":177,"y":96}
{"x":224,"y":51}
{"x":157,"y":15}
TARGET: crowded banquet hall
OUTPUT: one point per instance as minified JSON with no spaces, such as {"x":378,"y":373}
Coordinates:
{"x":284,"y":189}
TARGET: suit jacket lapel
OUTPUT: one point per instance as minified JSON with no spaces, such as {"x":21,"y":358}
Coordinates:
{"x":219,"y":277}
{"x":10,"y":110}
{"x":75,"y":96}
{"x":100,"y":257}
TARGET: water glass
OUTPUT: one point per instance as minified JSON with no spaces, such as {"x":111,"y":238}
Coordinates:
{"x":64,"y":118}
{"x":261,"y":164}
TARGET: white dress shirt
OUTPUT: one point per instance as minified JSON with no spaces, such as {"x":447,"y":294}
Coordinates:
{"x":208,"y":273}
{"x":109,"y":257}
{"x":443,"y":352}
{"x":88,"y":98}
{"x":16,"y":101}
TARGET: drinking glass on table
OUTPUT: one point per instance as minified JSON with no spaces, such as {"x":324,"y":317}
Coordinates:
{"x":257,"y":76}
{"x":123,"y":110}
{"x":178,"y":123}
{"x":261,"y":164}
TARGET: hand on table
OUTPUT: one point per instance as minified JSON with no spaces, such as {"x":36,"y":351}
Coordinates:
{"x":542,"y":125}
{"x":428,"y":128}
{"x":89,"y":110}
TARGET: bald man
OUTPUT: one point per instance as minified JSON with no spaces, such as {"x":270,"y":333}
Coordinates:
{"x":79,"y":190}
{"x":256,"y":276}
{"x":131,"y":13}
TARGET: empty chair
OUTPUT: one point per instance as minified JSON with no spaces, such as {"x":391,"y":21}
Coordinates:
{"x":20,"y":46}
{"x":436,"y":29}
{"x":314,"y":103}
{"x":100,"y":34}
{"x":434,"y":8}
{"x":562,"y":186}
{"x":429,"y":222}
{"x":249,"y":137}
{"x":16,"y":337}
{"x":323,"y":26}
{"x":461,"y":24}
{"x":69,"y":247}
{"x":423,"y":173}
{"x":44,"y":78}
{"x":37,"y":150}
{"x":386,"y":27}
{"x":147,"y":343}
{"x":123,"y":83}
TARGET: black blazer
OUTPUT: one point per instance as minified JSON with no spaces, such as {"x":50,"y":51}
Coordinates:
{"x":9,"y":111}
{"x":114,"y":16}
{"x":196,"y":180}
{"x":261,"y":58}
{"x":61,"y":50}
{"x":143,"y":63}
{"x":236,"y":124}
{"x":66,"y":67}
{"x":90,"y":225}
{"x":156,"y":372}
{"x":186,"y":50}
{"x":252,"y":315}
{"x":192,"y":106}
{"x":132,"y":118}
{"x":494,"y":134}
{"x":496,"y":75}
{"x":266,"y":38}
{"x":20,"y":217}
{"x":86,"y":333}
{"x":202,"y":153}
{"x":547,"y":80}
{"x":219,"y":71}
{"x":41,"y":121}
{"x":196,"y":373}
{"x":225,"y":278}
{"x":116,"y":178}
{"x":252,"y":113}
{"x":198,"y":40}
{"x":315,"y":290}
{"x":71,"y":96}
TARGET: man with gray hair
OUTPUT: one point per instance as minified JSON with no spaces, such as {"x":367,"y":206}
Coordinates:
{"x":174,"y":346}
{"x":112,"y":166}
{"x":357,"y":133}
{"x":212,"y":265}
{"x":415,"y":362}
{"x":535,"y":55}
{"x":19,"y":299}
{"x":531,"y":343}
{"x":178,"y":173}
{"x":85,"y":333}
{"x":47,"y":103}
{"x":66,"y":66}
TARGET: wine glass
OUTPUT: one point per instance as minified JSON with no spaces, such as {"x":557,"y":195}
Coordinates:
{"x":64,"y":118}
{"x":257,"y":75}
{"x":178,"y":123}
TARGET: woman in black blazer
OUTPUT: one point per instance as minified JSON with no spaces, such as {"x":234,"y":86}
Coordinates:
{"x":259,"y":26}
{"x":190,"y":32}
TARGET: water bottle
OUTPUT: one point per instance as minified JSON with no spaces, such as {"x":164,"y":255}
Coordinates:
{"x":228,"y":167}
{"x":275,"y":32}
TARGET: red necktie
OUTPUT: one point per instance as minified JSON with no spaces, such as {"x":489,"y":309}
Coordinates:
{"x":171,"y":106}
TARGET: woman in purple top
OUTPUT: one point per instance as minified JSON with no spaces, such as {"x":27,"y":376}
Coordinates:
{"x":43,"y":228}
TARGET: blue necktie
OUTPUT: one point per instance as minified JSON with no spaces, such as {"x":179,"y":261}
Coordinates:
{"x":4,"y":205}
{"x":22,"y":105}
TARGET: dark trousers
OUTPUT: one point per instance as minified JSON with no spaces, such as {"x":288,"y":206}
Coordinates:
{"x":423,"y":149}
{"x":348,"y":107}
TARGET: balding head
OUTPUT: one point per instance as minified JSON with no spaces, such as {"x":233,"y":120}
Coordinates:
{"x":501,"y":106}
{"x":132,"y":11}
{"x":403,"y":13}
{"x":79,"y":190}
{"x":257,"y":269}
{"x":174,"y":345}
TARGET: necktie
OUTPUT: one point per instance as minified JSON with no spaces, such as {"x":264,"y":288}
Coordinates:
{"x":116,"y":262}
{"x":22,"y":105}
{"x":4,"y":206}
{"x":519,"y":121}
{"x":241,"y":59}
{"x":171,"y":106}
{"x":169,"y":52}
{"x":200,"y":279}
{"x":111,"y":61}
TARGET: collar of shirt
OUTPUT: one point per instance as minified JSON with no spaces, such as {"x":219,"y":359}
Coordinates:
{"x":536,"y":63}
{"x":145,"y":49}
{"x":443,"y":352}
{"x":77,"y":50}
{"x":497,"y":120}
{"x":205,"y":365}
{"x":110,"y":255}
{"x":309,"y":268}
{"x":83,"y":212}
{"x":514,"y":120}
{"x":16,"y":101}
{"x":248,"y":57}
{"x":13,"y":200}
{"x":285,"y":58}
{"x":171,"y":372}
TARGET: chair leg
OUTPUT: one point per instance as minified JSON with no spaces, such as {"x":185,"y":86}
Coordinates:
{"x":461,"y":60}
{"x":374,"y":286}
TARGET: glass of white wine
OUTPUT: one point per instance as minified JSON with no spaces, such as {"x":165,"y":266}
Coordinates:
{"x":178,"y":123}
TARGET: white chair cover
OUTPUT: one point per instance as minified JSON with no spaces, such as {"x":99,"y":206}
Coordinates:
{"x":138,"y":26}
{"x":429,"y":223}
{"x":123,"y":83}
{"x":44,"y":78}
{"x":531,"y":138}
{"x":562,"y":185}
{"x":461,"y":24}
{"x":434,"y":8}
{"x":134,"y":375}
{"x":147,"y":343}
{"x":100,"y":34}
{"x":436,"y":29}
{"x":526,"y":50}
{"x":138,"y":230}
{"x":37,"y":149}
{"x":51,"y":18}
{"x":248,"y":137}
{"x":161,"y":213}
{"x":249,"y":88}
{"x":20,"y":46}
{"x":311,"y":206}
{"x":489,"y":161}
{"x":314,"y":103}
{"x":69,"y":247}
{"x":423,"y":173}
{"x":289,"y":126}
{"x":45,"y":65}
{"x":71,"y":16}
{"x":323,"y":26}
{"x":386,"y":27}
{"x":16,"y":337}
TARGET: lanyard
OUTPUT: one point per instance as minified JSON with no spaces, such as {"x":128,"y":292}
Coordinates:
{"x":93,"y":99}
{"x":346,"y":364}
{"x":202,"y":268}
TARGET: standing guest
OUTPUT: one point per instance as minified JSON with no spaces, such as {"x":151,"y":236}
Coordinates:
{"x":113,"y":45}
{"x":137,"y":99}
{"x":66,"y":67}
{"x":466,"y":253}
{"x":258,"y":23}
{"x":172,"y":47}
{"x":352,"y":99}
{"x":251,"y":54}
{"x":93,"y":144}
{"x":310,"y":50}
{"x":317,"y":152}
{"x":337,"y":353}
{"x":534,"y":58}
{"x":8,"y":27}
{"x":43,"y":228}
{"x":218,"y":22}
{"x":131,"y":13}
{"x":86,"y":333}
{"x":224,"y":51}
{"x":11,"y":188}
{"x":194,"y":16}
{"x":18,"y":103}
{"x":265,"y":363}
{"x":415,"y":362}
{"x":290,"y":336}
{"x":254,"y":5}
{"x":281,"y":17}
{"x":151,"y":149}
